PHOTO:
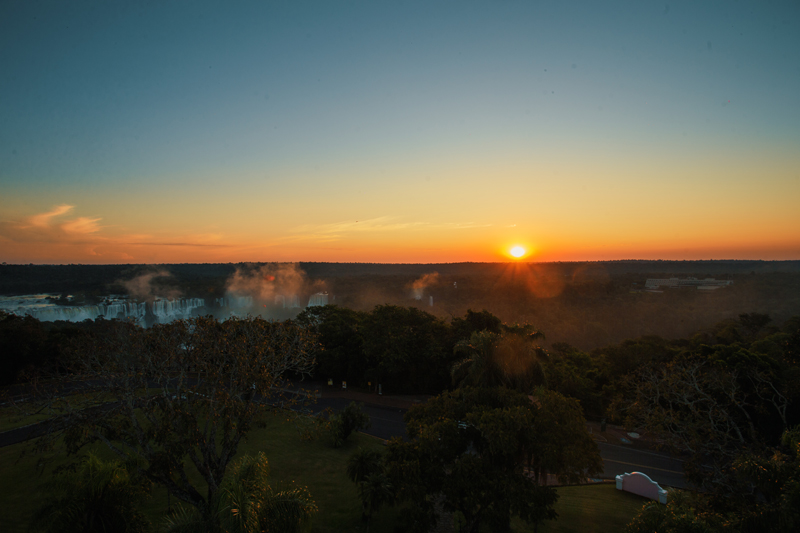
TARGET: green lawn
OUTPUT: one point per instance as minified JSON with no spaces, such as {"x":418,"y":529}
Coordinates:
{"x":322,"y":470}
{"x":593,"y":508}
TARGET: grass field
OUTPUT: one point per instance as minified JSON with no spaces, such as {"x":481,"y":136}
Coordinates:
{"x":320,"y":468}
{"x":593,"y":508}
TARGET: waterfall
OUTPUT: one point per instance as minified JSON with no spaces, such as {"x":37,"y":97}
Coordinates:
{"x":163,"y":310}
{"x":320,"y":298}
{"x":169,"y":310}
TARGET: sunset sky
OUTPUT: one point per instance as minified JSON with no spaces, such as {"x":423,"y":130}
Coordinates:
{"x":402,"y":131}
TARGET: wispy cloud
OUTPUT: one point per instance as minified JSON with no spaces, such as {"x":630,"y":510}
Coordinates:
{"x":337,"y":230}
{"x":369,"y":225}
{"x":84,"y":235}
{"x":81,"y":225}
{"x":465,"y":225}
{"x":142,"y":243}
{"x":200,"y":239}
{"x":43,"y":220}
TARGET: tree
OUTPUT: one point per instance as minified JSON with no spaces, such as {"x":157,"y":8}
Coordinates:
{"x":679,"y":515}
{"x":754,"y":322}
{"x":714,"y":403}
{"x":351,"y":418}
{"x":365,"y":469}
{"x":766,"y":497}
{"x":511,"y":359}
{"x":405,"y":348}
{"x":629,"y":355}
{"x":341,"y":341}
{"x":92,"y":496}
{"x":479,"y":452}
{"x":476,"y":367}
{"x":23,"y":342}
{"x":181,"y":395}
{"x":579,"y":375}
{"x":474,"y":321}
{"x":363,"y":463}
{"x":563,"y":447}
{"x":246,"y":503}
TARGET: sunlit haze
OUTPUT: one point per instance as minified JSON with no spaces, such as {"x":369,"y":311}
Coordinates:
{"x":160,"y":132}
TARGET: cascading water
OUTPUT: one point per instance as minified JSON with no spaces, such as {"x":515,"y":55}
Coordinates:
{"x":44,"y":307}
{"x":234,"y":302}
{"x":169,"y":310}
{"x":158,"y":311}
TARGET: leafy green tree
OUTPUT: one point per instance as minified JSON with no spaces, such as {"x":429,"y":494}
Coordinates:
{"x":579,"y":375}
{"x":405,"y":348}
{"x":479,"y":452}
{"x":629,"y":355}
{"x":474,"y":321}
{"x":791,"y":342}
{"x":23,"y":342}
{"x":181,"y":395}
{"x":768,"y":488}
{"x":715,"y":403}
{"x":340,"y":334}
{"x":92,"y":496}
{"x":765,"y":497}
{"x":246,"y":503}
{"x":562,"y":446}
{"x":351,"y":418}
{"x":679,"y":515}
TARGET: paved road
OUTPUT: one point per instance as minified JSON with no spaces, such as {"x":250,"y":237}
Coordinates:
{"x":665,"y":470}
{"x":387,"y":422}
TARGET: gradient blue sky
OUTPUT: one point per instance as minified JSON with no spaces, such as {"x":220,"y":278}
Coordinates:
{"x":398,"y":131}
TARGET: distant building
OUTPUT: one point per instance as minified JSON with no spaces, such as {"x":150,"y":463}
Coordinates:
{"x":707,"y":284}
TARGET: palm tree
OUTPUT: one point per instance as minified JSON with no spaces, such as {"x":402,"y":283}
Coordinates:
{"x":363,"y":463}
{"x":246,"y":503}
{"x":511,"y":359}
{"x":92,"y":496}
{"x":364,"y":468}
{"x":476,"y":367}
{"x":374,"y":491}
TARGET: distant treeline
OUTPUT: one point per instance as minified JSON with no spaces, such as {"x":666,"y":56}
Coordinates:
{"x":31,"y":279}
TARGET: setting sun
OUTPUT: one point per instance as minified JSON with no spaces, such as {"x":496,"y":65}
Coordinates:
{"x":517,"y":251}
